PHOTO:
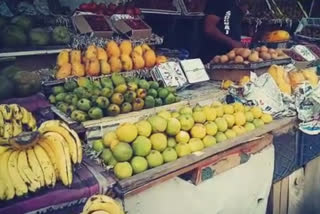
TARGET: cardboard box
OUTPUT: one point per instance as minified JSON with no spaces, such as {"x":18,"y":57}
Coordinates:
{"x":88,"y":23}
{"x":133,"y":28}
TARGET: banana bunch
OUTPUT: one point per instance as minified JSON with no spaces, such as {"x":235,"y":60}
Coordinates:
{"x":39,"y":159}
{"x":15,"y":119}
{"x":102,"y":204}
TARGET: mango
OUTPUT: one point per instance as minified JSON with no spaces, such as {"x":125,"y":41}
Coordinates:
{"x":64,"y":71}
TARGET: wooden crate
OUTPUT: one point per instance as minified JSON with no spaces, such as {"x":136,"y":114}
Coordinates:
{"x":151,"y":177}
{"x":229,"y":159}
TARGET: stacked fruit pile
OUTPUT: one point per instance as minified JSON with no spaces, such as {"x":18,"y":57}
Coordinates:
{"x":112,"y":58}
{"x":34,"y":160}
{"x":246,"y":56}
{"x":133,"y":148}
{"x":15,"y":119}
{"x":102,"y":204}
{"x":22,"y":30}
{"x":288,"y":81}
{"x":84,"y":100}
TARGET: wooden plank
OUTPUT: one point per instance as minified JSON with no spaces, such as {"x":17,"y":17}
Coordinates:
{"x":276,"y":190}
{"x":152,"y":174}
{"x":284,"y":196}
{"x":296,"y":184}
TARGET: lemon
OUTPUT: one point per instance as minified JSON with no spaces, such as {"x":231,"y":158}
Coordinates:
{"x":164,"y":114}
{"x":222,"y":124}
{"x":249,"y":116}
{"x":209,"y":141}
{"x":211,"y":128}
{"x":198,"y":131}
{"x":238,"y":107}
{"x":144,"y":128}
{"x":267,"y":118}
{"x":239,"y":130}
{"x":230,"y":134}
{"x":249,"y":126}
{"x":220,"y":136}
{"x":240,"y":118}
{"x":139,"y":164}
{"x":196,"y":144}
{"x":183,"y":149}
{"x":123,"y":170}
{"x":127,"y":132}
{"x":108,"y":138}
{"x":228,"y":109}
{"x":199,"y":117}
{"x":230,"y":119}
{"x":183,"y":137}
{"x":210,"y":113}
{"x":159,"y":141}
{"x":256,"y":111}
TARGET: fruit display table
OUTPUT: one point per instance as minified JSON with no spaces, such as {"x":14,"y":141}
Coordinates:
{"x":242,"y":189}
{"x":147,"y":179}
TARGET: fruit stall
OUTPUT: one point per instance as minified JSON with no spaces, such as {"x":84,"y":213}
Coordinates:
{"x":114,"y":121}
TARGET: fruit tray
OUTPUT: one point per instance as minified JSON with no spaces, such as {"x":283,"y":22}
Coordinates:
{"x":250,"y":66}
{"x":309,"y":29}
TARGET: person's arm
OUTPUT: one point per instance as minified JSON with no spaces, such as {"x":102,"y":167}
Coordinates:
{"x":211,"y":30}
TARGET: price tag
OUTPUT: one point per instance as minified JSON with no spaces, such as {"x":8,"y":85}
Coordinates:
{"x":171,"y":74}
{"x":304,"y":52}
{"x":194,"y":70}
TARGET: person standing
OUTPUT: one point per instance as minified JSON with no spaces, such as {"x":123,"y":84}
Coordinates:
{"x":222,"y":27}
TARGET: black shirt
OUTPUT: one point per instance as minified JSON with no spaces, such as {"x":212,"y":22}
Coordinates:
{"x":229,"y":24}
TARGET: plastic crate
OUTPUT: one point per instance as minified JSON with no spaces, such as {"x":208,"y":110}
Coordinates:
{"x":307,"y":22}
{"x":309,"y":147}
{"x":286,"y":154}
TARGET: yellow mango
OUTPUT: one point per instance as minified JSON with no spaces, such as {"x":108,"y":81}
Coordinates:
{"x":63,"y":58}
{"x":138,"y":61}
{"x":93,"y":67}
{"x":116,"y":65}
{"x":311,"y":76}
{"x":161,"y":59}
{"x":127,"y":63}
{"x":145,"y":47}
{"x":64,"y":71}
{"x":78,"y":69}
{"x":296,"y":78}
{"x":91,"y":52}
{"x":105,"y":67}
{"x":75,"y":56}
{"x":113,"y":49}
{"x":138,"y":50}
{"x":149,"y":58}
{"x":126,"y":47}
{"x":101,"y":54}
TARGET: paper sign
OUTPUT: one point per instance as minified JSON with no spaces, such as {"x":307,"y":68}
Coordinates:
{"x":304,"y":52}
{"x":194,"y":70}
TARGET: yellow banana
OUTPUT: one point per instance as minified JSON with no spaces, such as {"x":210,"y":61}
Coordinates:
{"x":55,"y":126}
{"x":7,"y":130}
{"x":44,"y":143}
{"x":46,"y":166}
{"x":1,"y":119}
{"x":3,"y":149}
{"x":6,"y":112}
{"x":61,"y":150}
{"x":16,"y":111}
{"x":32,"y":123}
{"x":25,"y":115}
{"x":77,"y":140}
{"x":109,"y":207}
{"x":3,"y":189}
{"x":16,"y":127}
{"x":19,"y":185}
{"x":35,"y":166}
{"x":26,"y":173}
{"x":4,"y":173}
{"x":102,"y":202}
